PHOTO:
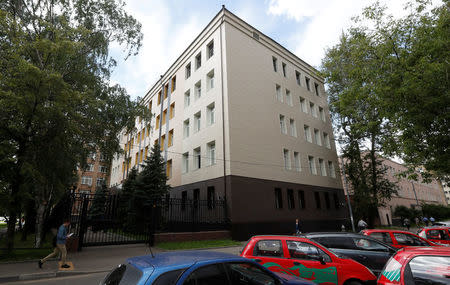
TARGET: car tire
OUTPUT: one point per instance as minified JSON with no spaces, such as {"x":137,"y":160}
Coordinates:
{"x":354,"y":282}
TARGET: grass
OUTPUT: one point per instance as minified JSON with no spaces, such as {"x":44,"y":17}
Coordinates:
{"x":2,"y":225}
{"x":24,"y":254}
{"x":28,"y":243}
{"x":197,"y":244}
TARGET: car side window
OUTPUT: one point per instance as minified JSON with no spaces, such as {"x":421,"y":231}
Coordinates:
{"x":336,"y":242}
{"x":206,"y":275}
{"x":303,"y":250}
{"x":271,"y":248}
{"x":384,"y":237}
{"x":433,"y":234}
{"x":169,"y":278}
{"x":244,"y":273}
{"x":429,"y":270}
{"x":409,"y":240}
{"x":367,"y":244}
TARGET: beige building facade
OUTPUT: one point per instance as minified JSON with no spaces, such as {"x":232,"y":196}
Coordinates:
{"x":243,"y":119}
{"x":94,"y":175}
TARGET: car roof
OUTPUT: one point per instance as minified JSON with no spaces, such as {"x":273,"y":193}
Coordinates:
{"x":168,"y":260}
{"x":313,"y":234}
{"x":281,"y":237}
{"x":434,"y":228}
{"x":387,"y":231}
{"x":425,"y":250}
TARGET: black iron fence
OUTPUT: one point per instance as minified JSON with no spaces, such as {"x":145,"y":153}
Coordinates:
{"x":104,"y":222}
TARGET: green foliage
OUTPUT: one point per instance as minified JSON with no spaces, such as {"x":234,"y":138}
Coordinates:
{"x":438,"y":212}
{"x":127,"y":212}
{"x":56,"y":102}
{"x":405,"y":212}
{"x":197,"y":244}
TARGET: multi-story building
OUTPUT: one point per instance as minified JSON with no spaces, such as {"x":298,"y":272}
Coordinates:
{"x":243,"y":119}
{"x":446,"y":190}
{"x":94,"y":175}
{"x":411,"y":193}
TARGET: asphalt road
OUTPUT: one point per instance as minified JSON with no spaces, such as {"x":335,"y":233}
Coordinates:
{"x":87,"y":279}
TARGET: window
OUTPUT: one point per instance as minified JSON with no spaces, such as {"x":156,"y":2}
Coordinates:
{"x":163,"y":139}
{"x":278,"y":93}
{"x":211,"y":197}
{"x":188,"y":70}
{"x":409,"y":240}
{"x":185,"y":162}
{"x":307,"y":251}
{"x":198,"y":61}
{"x":169,"y":169}
{"x":196,"y":197}
{"x":384,"y":237}
{"x":323,"y":171}
{"x":301,"y":199}
{"x":146,"y":152}
{"x":164,"y":116}
{"x":297,"y":165}
{"x":166,"y":90}
{"x":317,"y":137}
{"x":292,"y":128}
{"x":274,"y":63}
{"x":186,"y":128}
{"x":210,"y":80}
{"x":312,"y":165}
{"x":270,"y":248}
{"x":290,"y":197}
{"x":172,"y":111}
{"x":307,"y":133}
{"x":288,"y":97}
{"x":100,"y":182}
{"x":297,"y":78}
{"x":244,"y":273}
{"x":326,"y":140}
{"x":286,"y":159}
{"x":198,"y":90}
{"x":89,"y":167}
{"x":428,"y":270}
{"x":336,"y":201}
{"x":170,"y":141}
{"x":312,"y":109}
{"x":174,"y":84}
{"x":307,"y":84}
{"x":187,"y":98}
{"x":197,"y":158}
{"x":316,"y":88}
{"x":321,"y":114}
{"x":141,"y":155}
{"x":282,"y":125}
{"x":210,"y":49}
{"x":103,"y":157}
{"x":197,"y":121}
{"x":331,"y":170}
{"x":137,"y":158}
{"x":159,"y":97}
{"x":327,"y":200}
{"x":210,"y":114}
{"x":317,"y":199}
{"x":92,"y":155}
{"x":283,"y":65}
{"x":303,"y":106}
{"x":209,"y":274}
{"x":278,"y":199}
{"x":86,"y":180}
{"x":183,"y":200}
{"x":211,"y":152}
{"x":169,"y":277}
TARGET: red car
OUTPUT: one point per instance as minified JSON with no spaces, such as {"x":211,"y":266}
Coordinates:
{"x":417,"y":265}
{"x":306,"y":259}
{"x":398,"y":239}
{"x":436,"y":234}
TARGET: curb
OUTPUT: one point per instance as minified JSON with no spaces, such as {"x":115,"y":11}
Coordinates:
{"x":43,"y":275}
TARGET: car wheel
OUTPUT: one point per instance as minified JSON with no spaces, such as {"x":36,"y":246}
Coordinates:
{"x":354,"y":282}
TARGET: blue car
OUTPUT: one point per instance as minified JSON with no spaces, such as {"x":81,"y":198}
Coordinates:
{"x":196,"y":268}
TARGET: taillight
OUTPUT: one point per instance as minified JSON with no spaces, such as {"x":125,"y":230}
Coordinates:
{"x":391,"y":272}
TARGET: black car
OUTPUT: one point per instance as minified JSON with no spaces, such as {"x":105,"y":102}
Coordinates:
{"x":366,"y":250}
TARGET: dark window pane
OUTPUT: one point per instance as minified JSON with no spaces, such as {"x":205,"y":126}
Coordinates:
{"x":246,"y":273}
{"x":290,"y":196}
{"x":327,"y":200}
{"x":430,"y":270}
{"x":384,"y":237}
{"x":169,"y":278}
{"x":307,"y":251}
{"x":317,"y":198}
{"x":208,"y":275}
{"x":336,"y":201}
{"x":278,"y":199}
{"x":301,"y":199}
{"x":268,"y":248}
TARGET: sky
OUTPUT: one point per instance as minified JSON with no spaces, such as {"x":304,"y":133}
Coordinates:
{"x":306,"y":28}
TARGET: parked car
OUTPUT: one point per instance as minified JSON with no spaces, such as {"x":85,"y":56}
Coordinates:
{"x":442,"y":223}
{"x":417,"y":265}
{"x":364,"y":249}
{"x":307,"y":259}
{"x":196,"y":268}
{"x":397,"y":238}
{"x":439,"y":235}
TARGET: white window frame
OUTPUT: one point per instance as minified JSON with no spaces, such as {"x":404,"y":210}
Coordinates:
{"x":288,"y":97}
{"x":331,"y":169}
{"x":326,"y":139}
{"x":185,"y":162}
{"x":210,"y":80}
{"x":297,"y":163}
{"x":293,"y":127}
{"x":287,"y":159}
{"x":307,"y":132}
{"x":211,"y":114}
{"x":198,"y":90}
{"x":312,"y":165}
{"x":303,"y":105}
{"x":278,"y":92}
{"x":283,"y":125}
{"x":322,"y":168}
{"x":186,"y":128}
{"x":211,"y":146}
{"x":317,"y":137}
{"x":187,"y":98}
{"x":197,"y":121}
{"x":197,"y":158}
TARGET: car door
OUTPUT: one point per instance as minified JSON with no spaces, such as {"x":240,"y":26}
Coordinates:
{"x":311,"y":263}
{"x":205,"y":275}
{"x":404,"y":240}
{"x":371,"y":253}
{"x":270,"y":254}
{"x":245,"y":273}
{"x":438,"y":236}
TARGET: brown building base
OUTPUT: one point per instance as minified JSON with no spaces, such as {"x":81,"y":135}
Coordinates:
{"x":259,"y":206}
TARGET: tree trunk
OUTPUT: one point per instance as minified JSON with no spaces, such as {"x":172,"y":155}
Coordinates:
{"x":39,"y":223}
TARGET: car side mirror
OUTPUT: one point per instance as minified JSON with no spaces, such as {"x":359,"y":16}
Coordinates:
{"x":321,"y":259}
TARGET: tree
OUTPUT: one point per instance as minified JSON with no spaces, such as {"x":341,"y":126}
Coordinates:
{"x":150,"y":187}
{"x":56,"y":104}
{"x":97,"y":209}
{"x":126,"y":210}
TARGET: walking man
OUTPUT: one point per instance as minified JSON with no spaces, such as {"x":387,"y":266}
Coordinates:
{"x":60,"y":246}
{"x":297,"y":227}
{"x":407,"y":223}
{"x":362,"y":225}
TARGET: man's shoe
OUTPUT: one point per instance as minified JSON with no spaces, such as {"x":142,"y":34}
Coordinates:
{"x":65,"y":266}
{"x":40,"y":264}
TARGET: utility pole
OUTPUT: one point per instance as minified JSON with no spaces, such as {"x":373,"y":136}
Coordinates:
{"x":348,"y":197}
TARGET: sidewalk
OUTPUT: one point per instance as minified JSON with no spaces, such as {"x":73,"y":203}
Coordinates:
{"x":90,"y":260}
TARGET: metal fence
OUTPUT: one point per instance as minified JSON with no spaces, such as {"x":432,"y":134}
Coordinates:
{"x":165,"y":215}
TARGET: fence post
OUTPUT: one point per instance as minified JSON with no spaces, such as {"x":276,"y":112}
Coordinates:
{"x":82,"y":222}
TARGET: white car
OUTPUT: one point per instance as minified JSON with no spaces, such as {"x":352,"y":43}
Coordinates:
{"x":443,"y":223}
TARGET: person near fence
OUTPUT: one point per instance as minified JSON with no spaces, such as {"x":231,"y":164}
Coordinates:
{"x":297,"y":227}
{"x":59,"y":246}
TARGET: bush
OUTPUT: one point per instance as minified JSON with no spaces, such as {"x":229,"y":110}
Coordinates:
{"x":439,"y":212}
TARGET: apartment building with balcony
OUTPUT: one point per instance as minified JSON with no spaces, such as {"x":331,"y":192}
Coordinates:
{"x":243,"y":119}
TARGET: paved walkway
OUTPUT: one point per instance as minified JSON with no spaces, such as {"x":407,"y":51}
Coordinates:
{"x":90,"y":260}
